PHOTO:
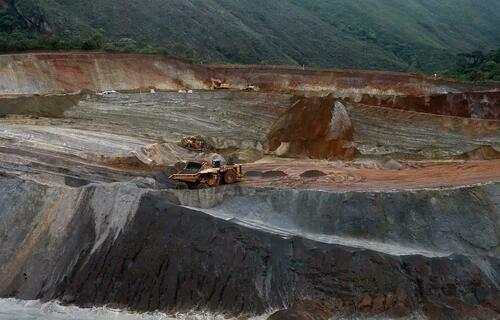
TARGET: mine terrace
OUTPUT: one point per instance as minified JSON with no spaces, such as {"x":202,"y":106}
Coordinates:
{"x":363,"y":193}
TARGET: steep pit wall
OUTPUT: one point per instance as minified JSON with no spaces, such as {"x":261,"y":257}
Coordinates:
{"x":462,"y":220}
{"x":61,"y":73}
{"x":385,"y":131}
{"x":52,"y":73}
{"x":481,"y":105}
{"x":47,"y":73}
{"x":343,"y":82}
{"x":314,"y":127}
{"x":329,"y":128}
{"x":174,"y":258}
{"x":122,"y":246}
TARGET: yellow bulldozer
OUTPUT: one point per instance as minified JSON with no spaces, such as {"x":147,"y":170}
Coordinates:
{"x":203,"y":175}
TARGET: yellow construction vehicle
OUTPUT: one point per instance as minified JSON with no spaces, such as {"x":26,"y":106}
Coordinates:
{"x":196,"y":175}
{"x":196,"y":143}
{"x":219,"y":84}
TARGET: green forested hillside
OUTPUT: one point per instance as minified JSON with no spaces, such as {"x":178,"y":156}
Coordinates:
{"x":477,"y":66}
{"x":409,"y":35}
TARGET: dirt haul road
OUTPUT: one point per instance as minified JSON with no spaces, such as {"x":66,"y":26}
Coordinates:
{"x":369,"y":193}
{"x":371,"y":175}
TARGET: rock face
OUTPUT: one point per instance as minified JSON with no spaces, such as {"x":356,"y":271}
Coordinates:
{"x":326,"y":128}
{"x":46,"y":227}
{"x":316,"y":128}
{"x":54,"y":73}
{"x":48,"y":73}
{"x":306,"y":310}
{"x":482,"y":105}
{"x":123,"y":246}
{"x":428,"y":222}
{"x":384,"y":131}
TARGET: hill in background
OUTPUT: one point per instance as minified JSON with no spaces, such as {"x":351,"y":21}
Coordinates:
{"x":409,"y":35}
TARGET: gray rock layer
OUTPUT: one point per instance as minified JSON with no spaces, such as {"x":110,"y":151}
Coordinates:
{"x":123,"y":246}
{"x":461,"y":220}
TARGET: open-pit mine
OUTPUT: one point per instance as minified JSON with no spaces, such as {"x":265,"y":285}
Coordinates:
{"x":365,"y":194}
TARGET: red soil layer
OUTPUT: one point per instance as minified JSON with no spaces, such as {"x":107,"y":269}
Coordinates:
{"x":322,"y":128}
{"x":68,"y":72}
{"x":306,"y":129}
{"x":346,"y":81}
{"x":50,"y":73}
{"x":483,"y":105}
{"x":54,"y":73}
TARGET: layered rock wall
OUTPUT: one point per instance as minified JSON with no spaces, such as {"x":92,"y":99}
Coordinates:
{"x":46,"y":73}
{"x":316,"y":128}
{"x":481,"y":105}
{"x":330,"y":128}
{"x":123,"y":246}
{"x":53,"y":73}
{"x":462,"y":220}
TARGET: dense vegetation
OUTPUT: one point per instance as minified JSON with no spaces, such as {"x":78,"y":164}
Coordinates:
{"x":17,"y":35}
{"x":410,"y":35}
{"x":26,"y":40}
{"x":477,"y":66}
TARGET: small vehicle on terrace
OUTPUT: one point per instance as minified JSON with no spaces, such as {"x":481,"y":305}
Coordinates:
{"x":196,"y":143}
{"x":196,"y":175}
{"x":107,"y":93}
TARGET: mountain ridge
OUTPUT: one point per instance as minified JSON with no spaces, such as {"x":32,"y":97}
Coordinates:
{"x":415,"y":35}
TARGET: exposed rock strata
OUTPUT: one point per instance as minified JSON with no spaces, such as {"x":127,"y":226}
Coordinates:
{"x":482,"y":105}
{"x":118,"y":245}
{"x":326,"y":128}
{"x":460,"y":220}
{"x":316,"y":128}
{"x":50,"y":73}
{"x":306,"y":310}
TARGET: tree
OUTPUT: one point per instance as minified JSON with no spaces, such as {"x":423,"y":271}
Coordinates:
{"x":93,"y":42}
{"x":7,"y":22}
{"x":473,"y":59}
{"x":476,"y":66}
